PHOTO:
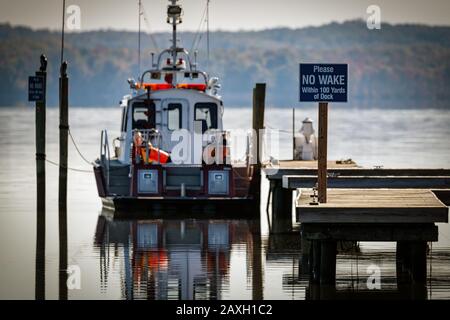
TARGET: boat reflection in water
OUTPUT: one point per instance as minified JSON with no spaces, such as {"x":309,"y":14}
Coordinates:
{"x":177,"y":259}
{"x":196,"y":259}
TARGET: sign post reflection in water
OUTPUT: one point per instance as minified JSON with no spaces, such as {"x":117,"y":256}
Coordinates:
{"x":40,"y":184}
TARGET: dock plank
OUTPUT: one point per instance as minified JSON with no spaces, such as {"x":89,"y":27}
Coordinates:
{"x":337,"y":168}
{"x":366,"y":182}
{"x":301,"y":164}
{"x":372,"y":206}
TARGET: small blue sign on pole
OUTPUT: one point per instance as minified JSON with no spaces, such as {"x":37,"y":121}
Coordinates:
{"x":36,"y":89}
{"x":323,"y":82}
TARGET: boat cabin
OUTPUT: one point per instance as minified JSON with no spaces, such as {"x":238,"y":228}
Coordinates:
{"x":173,"y":114}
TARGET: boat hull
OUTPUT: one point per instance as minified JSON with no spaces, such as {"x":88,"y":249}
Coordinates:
{"x":166,"y":207}
{"x":121,"y":197}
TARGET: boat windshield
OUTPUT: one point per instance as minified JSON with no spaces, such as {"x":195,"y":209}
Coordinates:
{"x":143,"y":115}
{"x":207,"y":114}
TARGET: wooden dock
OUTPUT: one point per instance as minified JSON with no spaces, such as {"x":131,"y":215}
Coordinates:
{"x":372,"y":206}
{"x":291,"y":175}
{"x":406,"y":216}
{"x":364,"y":204}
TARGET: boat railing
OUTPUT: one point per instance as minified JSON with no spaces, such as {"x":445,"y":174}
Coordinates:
{"x":169,"y":52}
{"x":160,"y":71}
{"x":105,"y":154}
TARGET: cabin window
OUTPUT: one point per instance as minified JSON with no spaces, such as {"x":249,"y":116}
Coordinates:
{"x":174,"y":116}
{"x":207,"y":114}
{"x":144,"y":115}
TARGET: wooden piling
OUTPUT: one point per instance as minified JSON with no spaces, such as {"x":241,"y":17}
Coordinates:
{"x":412,"y":268}
{"x":63,"y":135}
{"x":328,"y":262}
{"x":304,"y":265}
{"x":259,"y":97}
{"x":419,"y":262}
{"x":40,"y":185}
{"x":63,"y":163}
{"x":257,"y":267}
{"x":315,"y":261}
{"x":403,"y":263}
{"x":312,"y":291}
{"x":322,"y":156}
{"x":281,"y":208}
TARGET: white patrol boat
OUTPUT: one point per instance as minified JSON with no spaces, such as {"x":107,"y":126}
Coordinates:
{"x":173,"y":148}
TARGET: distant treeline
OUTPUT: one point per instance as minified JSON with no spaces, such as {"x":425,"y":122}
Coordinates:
{"x":397,"y":66}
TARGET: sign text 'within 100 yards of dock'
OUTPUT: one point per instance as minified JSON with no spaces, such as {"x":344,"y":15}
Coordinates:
{"x":323,"y":82}
{"x":36,"y":89}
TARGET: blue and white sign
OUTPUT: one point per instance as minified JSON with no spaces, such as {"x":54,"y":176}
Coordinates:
{"x":36,"y":89}
{"x":323,"y":82}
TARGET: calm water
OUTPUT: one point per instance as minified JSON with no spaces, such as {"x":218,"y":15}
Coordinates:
{"x":201,"y":259}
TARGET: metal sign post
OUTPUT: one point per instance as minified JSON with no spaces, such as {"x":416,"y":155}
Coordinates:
{"x":323,"y":83}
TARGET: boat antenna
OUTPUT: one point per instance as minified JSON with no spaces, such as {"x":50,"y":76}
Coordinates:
{"x":174,"y":35}
{"x":139,"y":40}
{"x":174,"y":12}
{"x":62,"y":30}
{"x":207,"y":31}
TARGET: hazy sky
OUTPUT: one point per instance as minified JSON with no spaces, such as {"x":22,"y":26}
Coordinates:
{"x":224,"y":14}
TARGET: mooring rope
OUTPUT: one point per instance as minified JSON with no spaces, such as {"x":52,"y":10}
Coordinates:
{"x":79,"y":152}
{"x":82,"y":157}
{"x":280,"y":130}
{"x":78,"y":149}
{"x":68,"y":168}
